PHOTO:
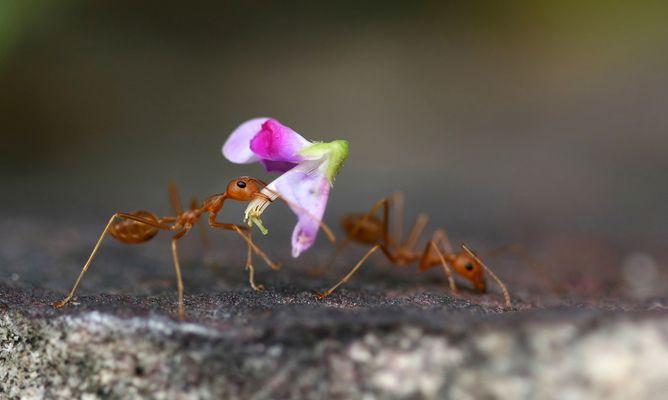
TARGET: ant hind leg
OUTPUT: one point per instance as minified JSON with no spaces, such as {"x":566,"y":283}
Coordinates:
{"x":63,"y":302}
{"x":384,"y":203}
{"x":349,"y":274}
{"x":424,"y":261}
{"x":159,"y":225}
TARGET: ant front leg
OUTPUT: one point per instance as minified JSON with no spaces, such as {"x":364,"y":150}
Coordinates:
{"x":251,"y":248}
{"x":442,"y":236}
{"x":425,"y":260}
{"x":159,"y":225}
{"x":249,"y":265}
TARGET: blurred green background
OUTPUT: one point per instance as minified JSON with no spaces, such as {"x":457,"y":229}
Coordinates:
{"x":498,"y":118}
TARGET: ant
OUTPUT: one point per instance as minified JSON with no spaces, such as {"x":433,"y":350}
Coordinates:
{"x":142,"y":226}
{"x":369,"y":230}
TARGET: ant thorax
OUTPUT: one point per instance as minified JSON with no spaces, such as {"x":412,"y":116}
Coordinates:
{"x":189,"y":217}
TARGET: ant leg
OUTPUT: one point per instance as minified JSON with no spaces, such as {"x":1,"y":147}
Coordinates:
{"x":63,"y":302}
{"x":380,"y":203}
{"x":349,"y":274}
{"x":253,"y":246}
{"x":204,"y":237}
{"x":506,"y":295}
{"x":249,"y":265}
{"x":442,"y":236}
{"x":237,"y":228}
{"x":384,"y":202}
{"x":534,"y":264}
{"x":424,"y":260}
{"x":398,"y":208}
{"x":194,"y":205}
{"x":177,"y":269}
{"x":160,"y":224}
{"x":416,"y":231}
{"x":66,"y":300}
{"x":174,"y":198}
{"x":333,"y":256}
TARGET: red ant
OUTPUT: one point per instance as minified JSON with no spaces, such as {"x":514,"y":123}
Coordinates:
{"x":142,"y":226}
{"x":369,"y":230}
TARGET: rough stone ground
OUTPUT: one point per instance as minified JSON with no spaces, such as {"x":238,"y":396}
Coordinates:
{"x":389,"y":333}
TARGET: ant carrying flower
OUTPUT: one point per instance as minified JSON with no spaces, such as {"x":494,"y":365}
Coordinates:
{"x":142,"y":226}
{"x":309,"y":170}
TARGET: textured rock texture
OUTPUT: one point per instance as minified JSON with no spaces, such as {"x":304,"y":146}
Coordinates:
{"x":389,"y":334}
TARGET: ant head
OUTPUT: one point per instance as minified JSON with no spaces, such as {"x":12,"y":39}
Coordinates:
{"x":470,"y":268}
{"x":244,"y":188}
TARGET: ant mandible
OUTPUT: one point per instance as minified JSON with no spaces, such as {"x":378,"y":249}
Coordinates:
{"x":142,"y":226}
{"x":369,"y":230}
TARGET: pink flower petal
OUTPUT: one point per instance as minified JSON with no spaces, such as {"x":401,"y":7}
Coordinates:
{"x":277,"y":166}
{"x":237,"y":146}
{"x":306,"y":190}
{"x":277,"y":142}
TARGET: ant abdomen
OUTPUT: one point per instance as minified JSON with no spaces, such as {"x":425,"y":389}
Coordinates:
{"x":132,"y":232}
{"x":363,"y":229}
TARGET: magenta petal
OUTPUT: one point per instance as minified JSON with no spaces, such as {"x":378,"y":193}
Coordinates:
{"x":237,"y":146}
{"x":277,"y":142}
{"x":277,"y":166}
{"x":306,"y":190}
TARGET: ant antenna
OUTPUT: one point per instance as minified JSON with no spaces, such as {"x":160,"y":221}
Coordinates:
{"x":506,"y":295}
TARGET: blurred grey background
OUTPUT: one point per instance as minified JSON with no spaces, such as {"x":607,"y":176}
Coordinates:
{"x":500,"y":119}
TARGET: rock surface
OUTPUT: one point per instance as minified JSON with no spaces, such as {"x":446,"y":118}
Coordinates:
{"x":388,"y":334}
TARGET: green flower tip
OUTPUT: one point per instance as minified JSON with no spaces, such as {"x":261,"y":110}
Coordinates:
{"x":258,"y":222}
{"x":252,"y":217}
{"x":335,"y":154}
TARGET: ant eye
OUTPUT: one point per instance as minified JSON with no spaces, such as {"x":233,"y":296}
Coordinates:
{"x":241,"y":184}
{"x":468,"y":266}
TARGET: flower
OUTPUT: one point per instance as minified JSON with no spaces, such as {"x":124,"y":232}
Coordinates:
{"x":308,"y":171}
